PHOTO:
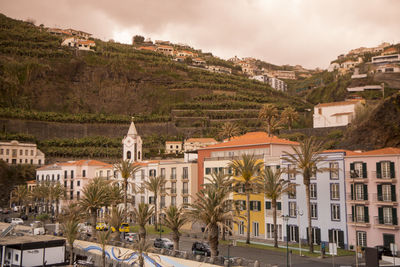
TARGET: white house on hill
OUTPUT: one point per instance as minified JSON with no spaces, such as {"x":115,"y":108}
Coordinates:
{"x":335,"y":113}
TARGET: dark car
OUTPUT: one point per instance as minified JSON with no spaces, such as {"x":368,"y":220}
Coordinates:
{"x":7,"y":220}
{"x":163,"y":243}
{"x":201,"y":248}
{"x":383,"y":251}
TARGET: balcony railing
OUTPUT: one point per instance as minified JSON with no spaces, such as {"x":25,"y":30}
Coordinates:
{"x":385,"y":197}
{"x":355,"y":175}
{"x":357,"y":218}
{"x":185,"y":191}
{"x":185,"y":177}
{"x":172,"y":177}
{"x":382,"y":176}
{"x":384,"y":221}
{"x":173,"y":190}
{"x":357,"y":196}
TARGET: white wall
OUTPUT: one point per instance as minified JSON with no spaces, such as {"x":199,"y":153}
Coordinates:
{"x":326,"y":118}
{"x":32,"y":257}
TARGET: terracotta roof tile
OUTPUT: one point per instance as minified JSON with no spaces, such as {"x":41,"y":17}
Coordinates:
{"x":382,"y":151}
{"x":201,"y":140}
{"x":252,"y":138}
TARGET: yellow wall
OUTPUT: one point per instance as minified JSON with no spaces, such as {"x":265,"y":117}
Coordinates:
{"x":255,"y":216}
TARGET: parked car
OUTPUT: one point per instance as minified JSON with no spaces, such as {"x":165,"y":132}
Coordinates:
{"x":124,"y":228}
{"x":201,"y":248}
{"x":7,"y":220}
{"x":17,"y":221}
{"x":131,"y":237}
{"x":383,"y":251}
{"x":163,"y":243}
{"x":100,"y":226}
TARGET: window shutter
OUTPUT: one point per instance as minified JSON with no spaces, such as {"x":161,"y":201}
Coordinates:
{"x":352,"y":191}
{"x":380,"y":213}
{"x":394,"y":214}
{"x":330,"y":234}
{"x":378,"y":170}
{"x":366,"y":214}
{"x":279,"y":205}
{"x":341,"y":239}
{"x":259,"y":205}
{"x":352,"y":213}
{"x":244,"y":204}
{"x":351,"y":166}
{"x":297,"y":234}
{"x":251,"y":205}
{"x":267,"y":205}
{"x":364,"y":166}
{"x":318,"y":235}
{"x":379,"y":188}
{"x":393,"y":191}
{"x":392,"y":174}
{"x":365,"y":192}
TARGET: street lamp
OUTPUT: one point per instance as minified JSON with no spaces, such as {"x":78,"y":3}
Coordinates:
{"x":299,"y":214}
{"x":286,"y":218}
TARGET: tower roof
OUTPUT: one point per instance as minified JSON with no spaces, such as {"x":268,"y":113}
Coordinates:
{"x":132,"y":129}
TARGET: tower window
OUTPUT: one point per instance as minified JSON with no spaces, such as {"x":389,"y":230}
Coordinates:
{"x":128,"y":155}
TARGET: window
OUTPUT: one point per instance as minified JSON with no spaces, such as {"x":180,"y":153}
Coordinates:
{"x":115,"y":174}
{"x":185,"y":174}
{"x":162,"y":202}
{"x":65,"y":174}
{"x":361,"y":191}
{"x":26,"y":160}
{"x":314,"y":211}
{"x":21,"y":152}
{"x":241,"y":228}
{"x":72,"y":174}
{"x":152,"y":173}
{"x":291,"y":172}
{"x":293,"y":233}
{"x":78,"y":183}
{"x":185,"y":189}
{"x":255,"y":205}
{"x":313,"y":190}
{"x":208,"y":170}
{"x":241,"y":204}
{"x":361,"y":214}
{"x":78,"y":195}
{"x":358,"y":170}
{"x":52,"y":177}
{"x":173,"y":173}
{"x":173,"y":188}
{"x":256,"y":229}
{"x":386,"y":192}
{"x":40,"y":162}
{"x":173,"y":201}
{"x":17,"y":255}
{"x":335,"y":192}
{"x":58,"y":177}
{"x":142,"y":199}
{"x":142,"y":174}
{"x":26,"y":152}
{"x":185,"y":202}
{"x":151,"y":200}
{"x":71,"y":195}
{"x":270,"y":231}
{"x":335,"y":212}
{"x":31,"y":152}
{"x":163,"y":172}
{"x":336,"y":236}
{"x":128,"y":155}
{"x":292,"y":209}
{"x":387,"y":215}
{"x":83,"y":173}
{"x":320,"y":111}
{"x":361,"y":238}
{"x":1,"y":151}
{"x":31,"y":161}
{"x":7,"y":152}
{"x":334,"y":170}
{"x":292,"y":193}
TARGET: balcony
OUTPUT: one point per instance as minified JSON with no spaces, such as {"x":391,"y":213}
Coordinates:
{"x":185,"y":191}
{"x":385,"y":199}
{"x":354,"y":176}
{"x":172,"y":177}
{"x":385,"y":222}
{"x":357,"y":198}
{"x":185,"y":178}
{"x":358,"y":220}
{"x":173,"y":191}
{"x":382,"y":177}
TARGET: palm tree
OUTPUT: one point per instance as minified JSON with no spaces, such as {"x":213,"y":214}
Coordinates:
{"x":19,"y":195}
{"x":142,"y":247}
{"x":94,"y":196}
{"x":155,"y":185}
{"x":229,"y":130}
{"x":213,"y":208}
{"x":268,"y":113}
{"x":103,"y":237}
{"x":175,"y":219}
{"x":115,"y":219}
{"x":71,"y":232}
{"x":141,"y":216}
{"x":274,"y":188}
{"x":288,"y":116}
{"x":56,"y":192}
{"x":116,"y":195}
{"x":274,"y":125}
{"x":306,"y":158}
{"x":127,"y":170}
{"x":246,"y":172}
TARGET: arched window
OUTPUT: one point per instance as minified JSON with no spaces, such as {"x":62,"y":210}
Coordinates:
{"x":128,"y":155}
{"x":47,"y":177}
{"x":139,"y":155}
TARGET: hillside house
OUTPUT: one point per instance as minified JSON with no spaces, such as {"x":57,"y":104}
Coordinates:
{"x":379,"y":60}
{"x":185,"y":53}
{"x":285,"y":74}
{"x":333,"y":66}
{"x":389,"y":51}
{"x":165,"y":49}
{"x":388,"y":68}
{"x":260,"y":78}
{"x":58,"y":32}
{"x":79,"y":43}
{"x":79,"y":34}
{"x":334,"y":114}
{"x":277,"y":84}
{"x":198,"y":62}
{"x":219,"y":69}
{"x":173,"y":147}
{"x":192,"y":144}
{"x":365,"y":87}
{"x":15,"y":152}
{"x":148,"y":48}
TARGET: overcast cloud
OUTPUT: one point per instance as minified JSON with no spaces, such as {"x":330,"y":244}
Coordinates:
{"x":309,"y":32}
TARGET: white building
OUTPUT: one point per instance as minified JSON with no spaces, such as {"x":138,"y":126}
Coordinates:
{"x":334,"y":114}
{"x":386,"y":59}
{"x":79,"y":43}
{"x":333,"y":66}
{"x":277,"y":84}
{"x":285,"y":74}
{"x":132,"y":145}
{"x":219,"y":69}
{"x":260,"y":78}
{"x":365,"y":87}
{"x":388,"y":68}
{"x":15,"y":152}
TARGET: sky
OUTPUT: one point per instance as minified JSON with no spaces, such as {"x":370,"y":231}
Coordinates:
{"x":307,"y":32}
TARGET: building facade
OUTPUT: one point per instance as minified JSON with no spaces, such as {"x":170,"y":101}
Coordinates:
{"x":15,"y":152}
{"x":372,"y":202}
{"x":132,"y":145}
{"x":328,"y":203}
{"x":335,"y":113}
{"x":192,"y":144}
{"x":173,"y":147}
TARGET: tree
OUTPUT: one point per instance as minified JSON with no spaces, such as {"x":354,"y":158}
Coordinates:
{"x":138,"y":39}
{"x":127,"y":170}
{"x":155,"y":185}
{"x":175,"y":219}
{"x":306,"y":158}
{"x":213,"y":208}
{"x":289,"y":116}
{"x":274,"y":188}
{"x":103,"y":237}
{"x":268,"y":114}
{"x":141,"y":216}
{"x":70,"y":225}
{"x":19,"y":195}
{"x":115,"y":219}
{"x":94,"y":196}
{"x":142,"y":247}
{"x":246,"y":173}
{"x":116,"y":195}
{"x":56,"y":192}
{"x":229,"y":130}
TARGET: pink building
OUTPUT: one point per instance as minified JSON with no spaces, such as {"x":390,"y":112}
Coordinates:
{"x":372,"y":193}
